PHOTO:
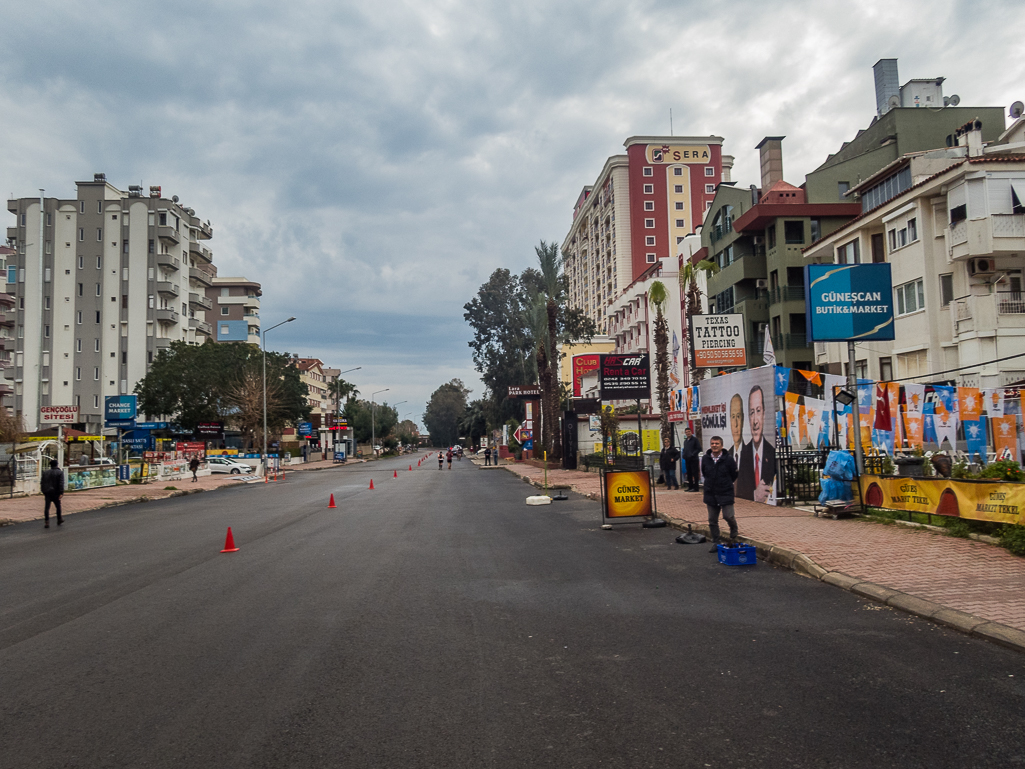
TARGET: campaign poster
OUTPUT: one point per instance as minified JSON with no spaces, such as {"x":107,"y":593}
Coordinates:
{"x":740,"y":409}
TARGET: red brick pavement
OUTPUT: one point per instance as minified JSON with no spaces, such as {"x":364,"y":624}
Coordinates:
{"x":970,"y":576}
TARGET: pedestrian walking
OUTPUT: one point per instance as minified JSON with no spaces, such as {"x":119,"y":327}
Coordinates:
{"x":194,"y":467}
{"x":52,"y":485}
{"x":667,"y":463}
{"x":441,"y":460}
{"x":448,"y":456}
{"x":487,"y":456}
{"x":691,"y":458}
{"x":720,"y":471}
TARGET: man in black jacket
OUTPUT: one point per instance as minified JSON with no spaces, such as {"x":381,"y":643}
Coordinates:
{"x":720,"y":472}
{"x":667,"y":464}
{"x":691,"y":457}
{"x":52,"y":485}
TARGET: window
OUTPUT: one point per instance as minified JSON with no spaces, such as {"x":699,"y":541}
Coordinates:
{"x":793,"y":232}
{"x":885,"y":369}
{"x":678,"y":189}
{"x":99,"y":262}
{"x":649,"y":189}
{"x":99,"y":206}
{"x":708,"y":205}
{"x":78,"y":345}
{"x":959,"y":213}
{"x":80,"y":285}
{"x":78,"y":374}
{"x":709,"y":189}
{"x":649,"y":224}
{"x":679,"y":205}
{"x":224,"y":310}
{"x":910,"y":297}
{"x":96,"y":345}
{"x":649,"y":205}
{"x":649,"y":240}
{"x":12,"y":274}
{"x":841,"y":191}
{"x":98,"y":287}
{"x":912,"y":230}
{"x":79,"y":318}
{"x":848,"y":253}
{"x":151,"y":248}
{"x":46,"y":275}
{"x":81,"y":234}
{"x":650,"y":258}
{"x":770,"y":236}
{"x":46,"y":332}
{"x":96,"y":401}
{"x":46,"y":303}
{"x":677,"y":171}
{"x":224,"y":331}
{"x":113,"y":217}
{"x":946,"y":290}
{"x":81,"y":207}
{"x":99,"y":233}
{"x":98,"y":316}
{"x":816,"y":230}
{"x":648,"y":171}
{"x":681,"y":223}
{"x":709,"y":171}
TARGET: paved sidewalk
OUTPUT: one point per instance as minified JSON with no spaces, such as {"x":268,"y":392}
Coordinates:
{"x":18,"y":509}
{"x":976,"y":578}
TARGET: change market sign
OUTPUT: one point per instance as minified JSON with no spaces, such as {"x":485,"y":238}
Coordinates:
{"x":718,"y":340}
{"x":120,"y":410}
{"x":847,"y":302}
{"x":624,"y":377}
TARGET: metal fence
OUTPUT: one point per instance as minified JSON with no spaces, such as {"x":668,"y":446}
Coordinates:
{"x":799,"y":473}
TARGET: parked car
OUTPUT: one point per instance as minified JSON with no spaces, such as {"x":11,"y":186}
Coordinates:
{"x":227,"y":465}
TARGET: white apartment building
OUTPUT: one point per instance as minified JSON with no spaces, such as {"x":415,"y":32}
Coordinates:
{"x":102,"y":281}
{"x":952,"y":226}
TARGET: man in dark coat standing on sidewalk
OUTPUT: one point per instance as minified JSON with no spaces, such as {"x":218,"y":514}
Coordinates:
{"x":52,"y":485}
{"x":720,"y":471}
{"x":691,"y":458}
{"x":667,"y":464}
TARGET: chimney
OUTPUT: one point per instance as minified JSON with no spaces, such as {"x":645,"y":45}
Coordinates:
{"x":770,"y":153}
{"x":887,"y":84}
{"x":727,"y":168}
{"x":970,"y":135}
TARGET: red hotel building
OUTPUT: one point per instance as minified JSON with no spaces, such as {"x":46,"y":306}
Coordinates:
{"x":640,"y":208}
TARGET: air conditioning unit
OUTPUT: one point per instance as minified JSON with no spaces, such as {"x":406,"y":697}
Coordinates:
{"x":758,"y":240}
{"x":761,"y":283}
{"x":981,"y":266}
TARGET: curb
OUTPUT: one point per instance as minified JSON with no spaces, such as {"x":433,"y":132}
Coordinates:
{"x":969,"y":624}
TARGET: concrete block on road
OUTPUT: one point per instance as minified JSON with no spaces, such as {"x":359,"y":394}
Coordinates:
{"x":1001,"y":634}
{"x":839,"y":579}
{"x":802,"y":564}
{"x":912,"y":605}
{"x":539,"y":500}
{"x":873,"y":591}
{"x":958,"y":620}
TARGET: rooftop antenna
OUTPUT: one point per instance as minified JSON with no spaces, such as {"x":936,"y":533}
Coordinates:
{"x":1016,"y":109}
{"x":670,"y":121}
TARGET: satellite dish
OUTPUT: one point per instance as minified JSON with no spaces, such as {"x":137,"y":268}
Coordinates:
{"x":955,"y":100}
{"x":1016,"y":109}
{"x":174,"y":198}
{"x":893,"y":102}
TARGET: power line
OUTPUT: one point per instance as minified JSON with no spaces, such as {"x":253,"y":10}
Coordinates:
{"x":962,"y":368}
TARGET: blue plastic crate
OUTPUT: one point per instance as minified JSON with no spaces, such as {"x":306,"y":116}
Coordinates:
{"x":741,"y":555}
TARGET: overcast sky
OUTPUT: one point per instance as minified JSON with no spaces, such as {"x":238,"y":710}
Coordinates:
{"x":372,"y":163}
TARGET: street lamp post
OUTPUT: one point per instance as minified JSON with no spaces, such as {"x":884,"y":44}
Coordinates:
{"x":338,"y":410}
{"x":264,"y":350}
{"x":373,"y":439}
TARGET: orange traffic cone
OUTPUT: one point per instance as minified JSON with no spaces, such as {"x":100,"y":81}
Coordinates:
{"x":332,"y":503}
{"x":371,"y":484}
{"x":229,"y":543}
{"x":394,"y":473}
{"x":410,"y":467}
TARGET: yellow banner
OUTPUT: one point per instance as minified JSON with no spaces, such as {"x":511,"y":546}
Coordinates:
{"x":627,"y":494}
{"x":975,"y":500}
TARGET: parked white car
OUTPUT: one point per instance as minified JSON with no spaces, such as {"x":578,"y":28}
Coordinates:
{"x":227,"y":465}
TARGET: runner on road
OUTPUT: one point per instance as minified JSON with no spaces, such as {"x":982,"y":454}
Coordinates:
{"x":449,"y":458}
{"x":441,"y":460}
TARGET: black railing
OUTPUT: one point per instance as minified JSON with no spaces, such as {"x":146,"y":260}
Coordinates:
{"x":799,"y":473}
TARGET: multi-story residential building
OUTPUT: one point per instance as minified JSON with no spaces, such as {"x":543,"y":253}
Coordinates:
{"x":955,"y":240}
{"x":233,"y":305}
{"x":311,"y":371}
{"x":912,"y":118}
{"x":641,"y":206}
{"x":8,"y":314}
{"x":104,"y":281}
{"x":756,"y":237}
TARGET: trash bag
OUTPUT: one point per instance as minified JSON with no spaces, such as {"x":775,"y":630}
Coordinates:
{"x":834,"y":490}
{"x":839,"y":466}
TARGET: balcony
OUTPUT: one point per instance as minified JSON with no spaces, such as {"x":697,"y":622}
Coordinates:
{"x":988,"y":314}
{"x":748,"y":267}
{"x":162,"y":343}
{"x":201,"y":326}
{"x":789,"y":341}
{"x":201,"y":276}
{"x":167,"y":288}
{"x":198,"y":300}
{"x":205,"y":230}
{"x":995,"y":235}
{"x":6,"y":319}
{"x":166,"y":260}
{"x":165,"y":315}
{"x":200,"y":252}
{"x":169,"y":234}
{"x":786,"y":294}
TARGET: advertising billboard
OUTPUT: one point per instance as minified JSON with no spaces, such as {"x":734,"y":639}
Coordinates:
{"x":120,"y":410}
{"x":624,"y":377}
{"x":58,"y":414}
{"x":845,"y":302}
{"x":740,"y":409}
{"x":583,"y":365}
{"x":627,"y":496}
{"x":718,"y":340}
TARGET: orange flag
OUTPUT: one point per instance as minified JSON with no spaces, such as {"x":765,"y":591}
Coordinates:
{"x":1005,"y":435}
{"x":913,"y":427}
{"x":969,"y":402}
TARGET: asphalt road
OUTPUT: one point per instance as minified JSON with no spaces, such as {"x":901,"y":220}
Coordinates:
{"x":438,"y":621}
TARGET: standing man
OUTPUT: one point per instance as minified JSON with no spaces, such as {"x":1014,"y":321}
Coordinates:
{"x":667,"y":463}
{"x":758,"y":459}
{"x":691,"y":458}
{"x":52,"y":486}
{"x":487,"y":456}
{"x":720,"y":472}
{"x":194,"y":467}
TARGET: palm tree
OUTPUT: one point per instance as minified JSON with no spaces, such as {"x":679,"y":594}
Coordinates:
{"x":658,"y":296}
{"x":537,"y":320}
{"x":550,"y":263}
{"x":689,"y":285}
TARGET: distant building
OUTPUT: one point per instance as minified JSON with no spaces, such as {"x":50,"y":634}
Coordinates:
{"x":103,"y":282}
{"x":8,"y":316}
{"x":638,"y":210}
{"x":235,"y":305}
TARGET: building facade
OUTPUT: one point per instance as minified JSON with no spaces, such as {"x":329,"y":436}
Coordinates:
{"x":103,"y":282}
{"x":639,"y":209}
{"x":234,"y":309}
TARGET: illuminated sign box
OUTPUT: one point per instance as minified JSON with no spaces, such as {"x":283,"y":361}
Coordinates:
{"x":848,"y":302}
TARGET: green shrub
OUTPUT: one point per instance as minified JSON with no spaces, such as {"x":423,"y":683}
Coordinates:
{"x":960,"y":471}
{"x":1004,"y":470}
{"x":1013,"y":538}
{"x":957,"y":527}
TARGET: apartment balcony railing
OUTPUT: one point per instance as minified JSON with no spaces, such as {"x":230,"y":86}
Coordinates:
{"x":166,"y":287}
{"x":201,"y":276}
{"x":198,"y":300}
{"x":202,"y":252}
{"x":201,"y":326}
{"x":165,"y":315}
{"x":1010,"y":303}
{"x":162,"y":342}
{"x":786,"y":294}
{"x":166,"y":260}
{"x":997,"y":311}
{"x":170,"y":234}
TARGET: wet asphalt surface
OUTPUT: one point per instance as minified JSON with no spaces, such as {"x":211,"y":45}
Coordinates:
{"x":438,"y":621}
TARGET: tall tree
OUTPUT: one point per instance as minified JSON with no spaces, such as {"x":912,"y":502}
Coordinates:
{"x":474,"y":422}
{"x":444,"y":410}
{"x":550,"y":265}
{"x":689,"y":285}
{"x":657,"y":297}
{"x":370,"y":420}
